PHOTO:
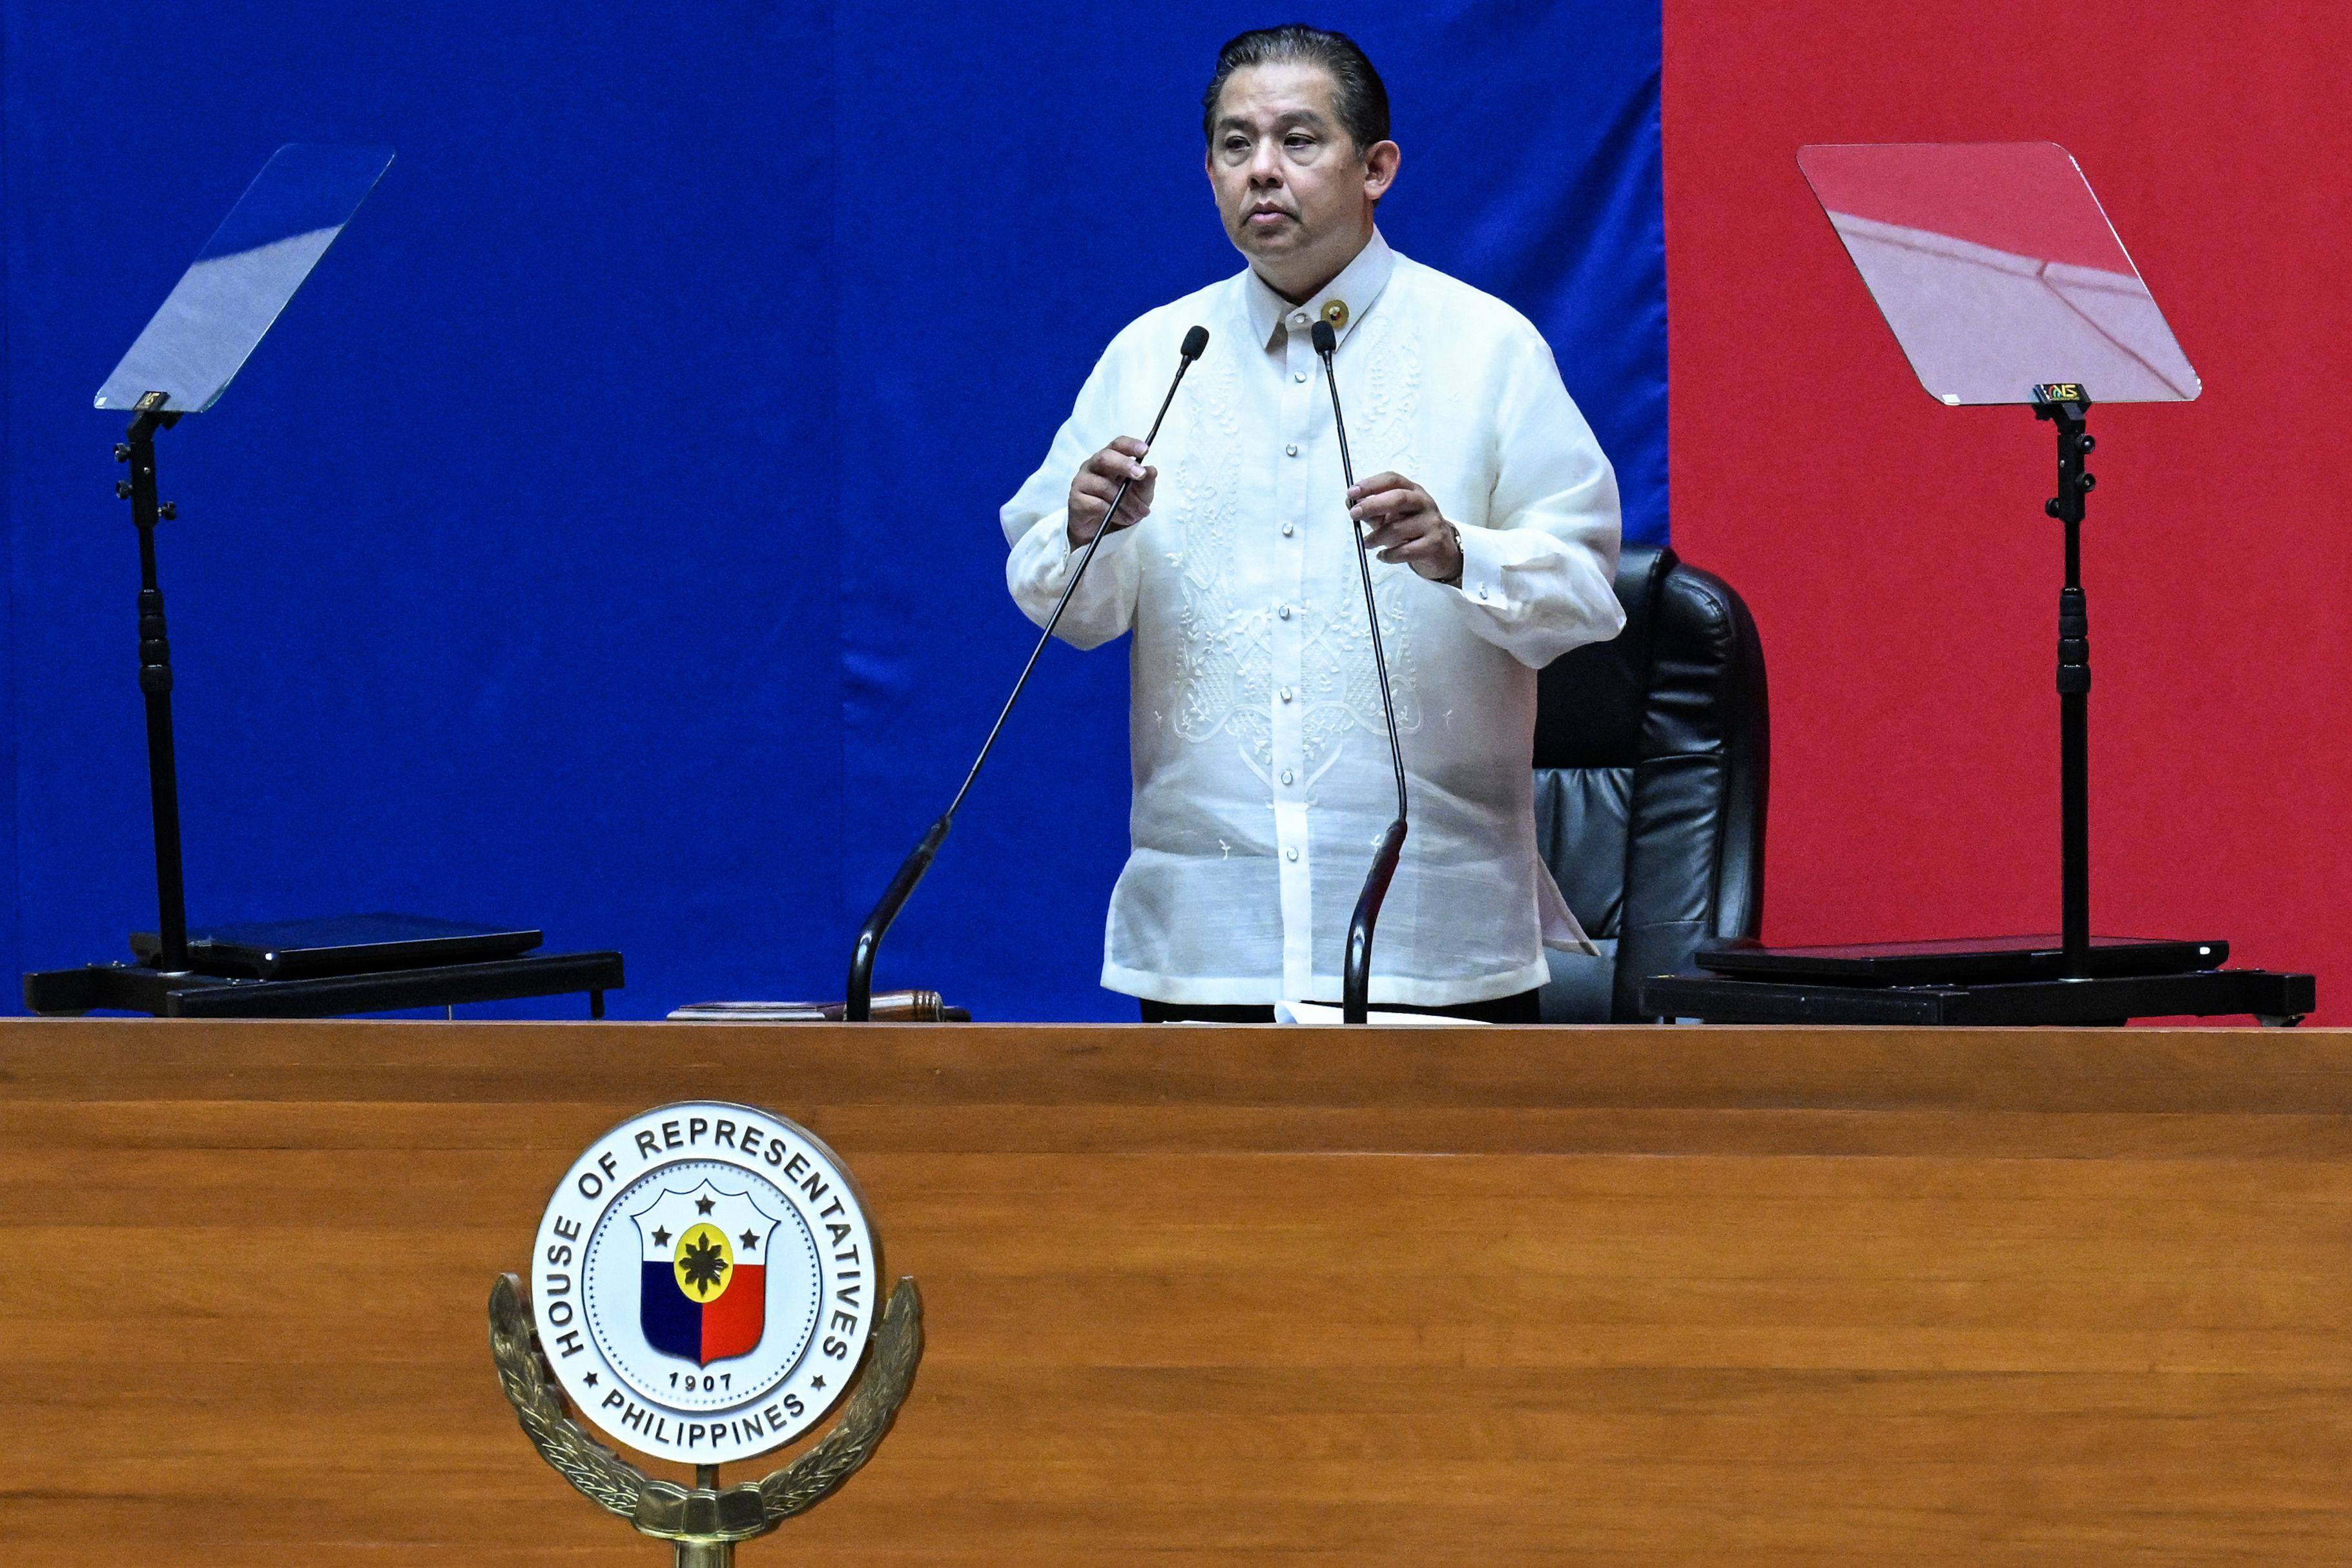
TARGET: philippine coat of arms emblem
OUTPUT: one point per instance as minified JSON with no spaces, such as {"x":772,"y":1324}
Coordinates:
{"x":704,"y":1288}
{"x":705,"y":1294}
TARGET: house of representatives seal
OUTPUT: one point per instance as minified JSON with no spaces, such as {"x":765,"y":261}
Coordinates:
{"x":705,"y":1282}
{"x":705,"y":1287}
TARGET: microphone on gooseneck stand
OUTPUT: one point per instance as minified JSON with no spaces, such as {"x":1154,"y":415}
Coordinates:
{"x":860,"y":1006}
{"x":1357,"y":993}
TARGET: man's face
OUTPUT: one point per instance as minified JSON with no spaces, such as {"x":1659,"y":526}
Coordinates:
{"x":1291,"y":186}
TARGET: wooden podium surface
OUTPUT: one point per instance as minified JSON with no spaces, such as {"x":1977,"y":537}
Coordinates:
{"x":1194,"y":1295}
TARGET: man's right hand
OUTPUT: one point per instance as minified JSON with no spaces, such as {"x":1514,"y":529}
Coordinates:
{"x":1098,"y":480}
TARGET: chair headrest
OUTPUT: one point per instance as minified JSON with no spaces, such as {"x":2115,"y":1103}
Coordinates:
{"x":1592,"y":702}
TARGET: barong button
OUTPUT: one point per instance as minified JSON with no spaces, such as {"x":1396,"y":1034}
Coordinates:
{"x":1290,"y":854}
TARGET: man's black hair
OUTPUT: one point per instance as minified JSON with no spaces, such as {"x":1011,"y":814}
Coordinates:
{"x":1356,"y":96}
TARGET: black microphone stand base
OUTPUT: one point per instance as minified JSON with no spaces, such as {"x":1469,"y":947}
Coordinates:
{"x":2097,"y":1002}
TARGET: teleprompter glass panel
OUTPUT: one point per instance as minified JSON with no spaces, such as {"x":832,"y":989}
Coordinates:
{"x":1998,"y":271}
{"x":226,"y":300}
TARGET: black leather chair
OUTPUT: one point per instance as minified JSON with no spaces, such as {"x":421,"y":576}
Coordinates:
{"x":1652,"y":760}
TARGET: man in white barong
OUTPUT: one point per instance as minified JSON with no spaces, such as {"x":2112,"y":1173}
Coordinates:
{"x":1262,"y":781}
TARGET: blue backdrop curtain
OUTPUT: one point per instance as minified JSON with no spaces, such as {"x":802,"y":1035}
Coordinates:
{"x":606,"y":538}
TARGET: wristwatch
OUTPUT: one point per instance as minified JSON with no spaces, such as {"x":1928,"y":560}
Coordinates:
{"x":1459,"y":559}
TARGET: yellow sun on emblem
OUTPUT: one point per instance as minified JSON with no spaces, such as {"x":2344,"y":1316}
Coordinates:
{"x":704,"y":1263}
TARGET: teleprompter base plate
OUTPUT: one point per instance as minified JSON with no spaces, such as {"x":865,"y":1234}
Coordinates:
{"x":1977,"y":961}
{"x":1719,"y":999}
{"x":339,"y":944}
{"x":134,"y":988}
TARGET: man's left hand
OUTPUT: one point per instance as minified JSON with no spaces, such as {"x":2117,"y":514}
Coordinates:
{"x":1404,"y":525}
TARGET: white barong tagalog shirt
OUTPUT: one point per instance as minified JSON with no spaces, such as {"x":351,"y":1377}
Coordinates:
{"x":1261,"y":768}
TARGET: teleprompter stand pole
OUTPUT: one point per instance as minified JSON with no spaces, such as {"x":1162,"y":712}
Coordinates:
{"x":137,"y":450}
{"x":2065,"y":406}
{"x":187,"y":980}
{"x":2074,"y":994}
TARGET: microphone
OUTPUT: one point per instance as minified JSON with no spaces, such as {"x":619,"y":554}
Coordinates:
{"x":859,"y":1007}
{"x":1357,"y":983}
